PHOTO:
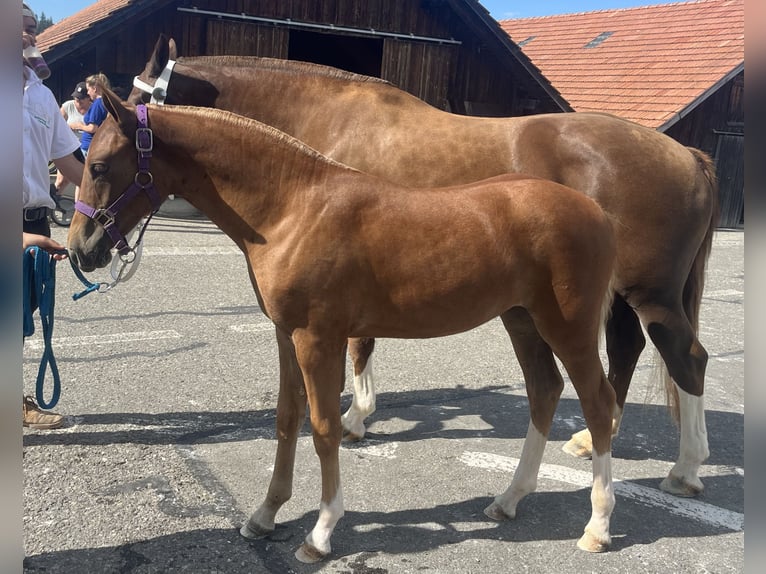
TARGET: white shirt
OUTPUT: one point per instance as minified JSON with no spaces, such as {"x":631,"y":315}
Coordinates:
{"x":46,"y":137}
{"x":73,"y":116}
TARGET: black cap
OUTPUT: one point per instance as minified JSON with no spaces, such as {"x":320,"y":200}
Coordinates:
{"x":81,"y":91}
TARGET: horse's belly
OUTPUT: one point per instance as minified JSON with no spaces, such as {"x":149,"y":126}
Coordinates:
{"x":419,"y":310}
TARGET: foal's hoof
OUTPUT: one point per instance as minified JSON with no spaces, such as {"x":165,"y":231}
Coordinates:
{"x":254,"y":531}
{"x":308,"y":554}
{"x":590,"y":543}
{"x":496,"y":512}
{"x":580,"y":445}
{"x":680,"y":486}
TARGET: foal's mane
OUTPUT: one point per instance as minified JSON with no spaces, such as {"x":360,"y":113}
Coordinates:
{"x":292,"y":66}
{"x":224,"y":119}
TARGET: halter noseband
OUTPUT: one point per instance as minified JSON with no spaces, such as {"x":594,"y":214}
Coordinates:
{"x":159,"y":91}
{"x":107,"y":216}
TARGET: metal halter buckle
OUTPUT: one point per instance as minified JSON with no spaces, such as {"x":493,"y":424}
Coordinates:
{"x":144,"y":140}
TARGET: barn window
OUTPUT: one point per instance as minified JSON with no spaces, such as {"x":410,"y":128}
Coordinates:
{"x":356,"y":54}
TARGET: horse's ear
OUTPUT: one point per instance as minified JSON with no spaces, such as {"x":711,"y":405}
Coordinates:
{"x":117,"y":108}
{"x":160,"y":56}
{"x":173,"y":52}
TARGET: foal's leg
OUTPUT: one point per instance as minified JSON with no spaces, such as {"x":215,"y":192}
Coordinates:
{"x":363,"y":402}
{"x":624,"y":343}
{"x":686,"y":360}
{"x":597,"y":399}
{"x":575,"y":342}
{"x":544,"y":385}
{"x":322,"y":362}
{"x":291,"y":413}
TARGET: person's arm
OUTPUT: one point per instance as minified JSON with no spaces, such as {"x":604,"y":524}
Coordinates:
{"x":90,"y":128}
{"x":61,"y":181}
{"x":70,"y":167}
{"x":63,"y":112}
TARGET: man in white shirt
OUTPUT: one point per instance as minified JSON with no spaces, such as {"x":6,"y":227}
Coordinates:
{"x":46,"y":137}
{"x":73,"y":112}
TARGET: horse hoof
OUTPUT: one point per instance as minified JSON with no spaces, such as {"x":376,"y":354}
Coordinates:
{"x":580,"y":445}
{"x":253,"y":531}
{"x":352,"y":432}
{"x":679,"y":486}
{"x":349,"y":436}
{"x":496,"y":513}
{"x":308,"y":554}
{"x":590,"y":543}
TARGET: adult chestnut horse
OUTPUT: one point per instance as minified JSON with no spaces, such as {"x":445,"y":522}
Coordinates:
{"x":334,"y":253}
{"x":663,"y":195}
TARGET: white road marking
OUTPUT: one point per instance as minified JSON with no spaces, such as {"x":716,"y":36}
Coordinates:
{"x":377,"y":448}
{"x":252,"y":327}
{"x":37,"y":344}
{"x":723,"y":293}
{"x":196,"y":251}
{"x":686,"y":507}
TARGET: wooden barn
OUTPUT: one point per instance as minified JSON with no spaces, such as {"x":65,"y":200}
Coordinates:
{"x":678,"y":68}
{"x":450,"y":53}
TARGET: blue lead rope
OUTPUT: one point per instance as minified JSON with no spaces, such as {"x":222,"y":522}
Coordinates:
{"x":89,"y":287}
{"x":40,"y":275}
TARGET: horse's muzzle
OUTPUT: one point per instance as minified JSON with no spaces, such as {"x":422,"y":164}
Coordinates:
{"x":90,"y":260}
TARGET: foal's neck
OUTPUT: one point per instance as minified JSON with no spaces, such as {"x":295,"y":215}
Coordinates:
{"x":240,"y":164}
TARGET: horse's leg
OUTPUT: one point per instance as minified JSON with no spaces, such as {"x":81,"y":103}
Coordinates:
{"x":683,"y":479}
{"x":544,"y":385}
{"x":291,"y":413}
{"x":572,"y":334}
{"x":624,"y":343}
{"x":363,"y":402}
{"x":322,"y":363}
{"x":597,"y":399}
{"x":686,"y":360}
{"x":597,"y":403}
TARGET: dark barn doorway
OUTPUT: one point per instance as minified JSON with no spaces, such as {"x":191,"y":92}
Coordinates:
{"x":357,"y":54}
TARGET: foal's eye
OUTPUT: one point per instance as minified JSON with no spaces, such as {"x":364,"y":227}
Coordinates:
{"x":98,"y":169}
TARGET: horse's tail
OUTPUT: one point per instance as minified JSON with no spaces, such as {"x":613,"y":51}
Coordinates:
{"x":695,"y":282}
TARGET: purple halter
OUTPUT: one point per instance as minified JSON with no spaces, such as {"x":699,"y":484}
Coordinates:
{"x":106,"y":217}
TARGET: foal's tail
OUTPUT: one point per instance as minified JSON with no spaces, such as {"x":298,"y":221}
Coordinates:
{"x":695,"y":282}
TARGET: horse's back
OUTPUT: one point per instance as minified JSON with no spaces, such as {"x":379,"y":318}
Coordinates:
{"x":659,"y":191}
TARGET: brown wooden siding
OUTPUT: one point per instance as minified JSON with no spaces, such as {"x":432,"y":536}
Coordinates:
{"x":423,"y":68}
{"x":463,"y":78}
{"x":249,"y":39}
{"x":717,"y":127}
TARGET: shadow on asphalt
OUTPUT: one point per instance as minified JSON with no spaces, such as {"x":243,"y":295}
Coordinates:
{"x":505,"y":416}
{"x":544,"y":515}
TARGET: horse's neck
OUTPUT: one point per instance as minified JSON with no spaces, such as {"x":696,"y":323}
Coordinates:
{"x":292,"y":101}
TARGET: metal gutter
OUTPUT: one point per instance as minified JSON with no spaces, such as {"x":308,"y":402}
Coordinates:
{"x":327,"y":27}
{"x":686,"y":110}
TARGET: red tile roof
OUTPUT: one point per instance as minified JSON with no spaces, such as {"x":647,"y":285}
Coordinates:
{"x":657,"y":62}
{"x":81,"y":20}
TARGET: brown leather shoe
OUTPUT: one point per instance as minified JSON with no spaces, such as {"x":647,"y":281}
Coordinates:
{"x":36,"y":418}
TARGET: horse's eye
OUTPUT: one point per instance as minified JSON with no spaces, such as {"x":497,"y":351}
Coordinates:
{"x":98,"y":169}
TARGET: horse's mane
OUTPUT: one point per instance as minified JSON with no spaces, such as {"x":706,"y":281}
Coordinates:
{"x":281,"y":65}
{"x":228,"y":119}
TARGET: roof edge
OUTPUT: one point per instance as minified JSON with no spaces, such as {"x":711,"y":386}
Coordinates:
{"x":494,"y":26}
{"x":686,"y":110}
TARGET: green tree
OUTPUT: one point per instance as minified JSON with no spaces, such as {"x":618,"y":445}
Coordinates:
{"x":43,"y":22}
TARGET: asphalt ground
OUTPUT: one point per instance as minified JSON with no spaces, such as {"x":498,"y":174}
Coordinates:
{"x":169,"y":387}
